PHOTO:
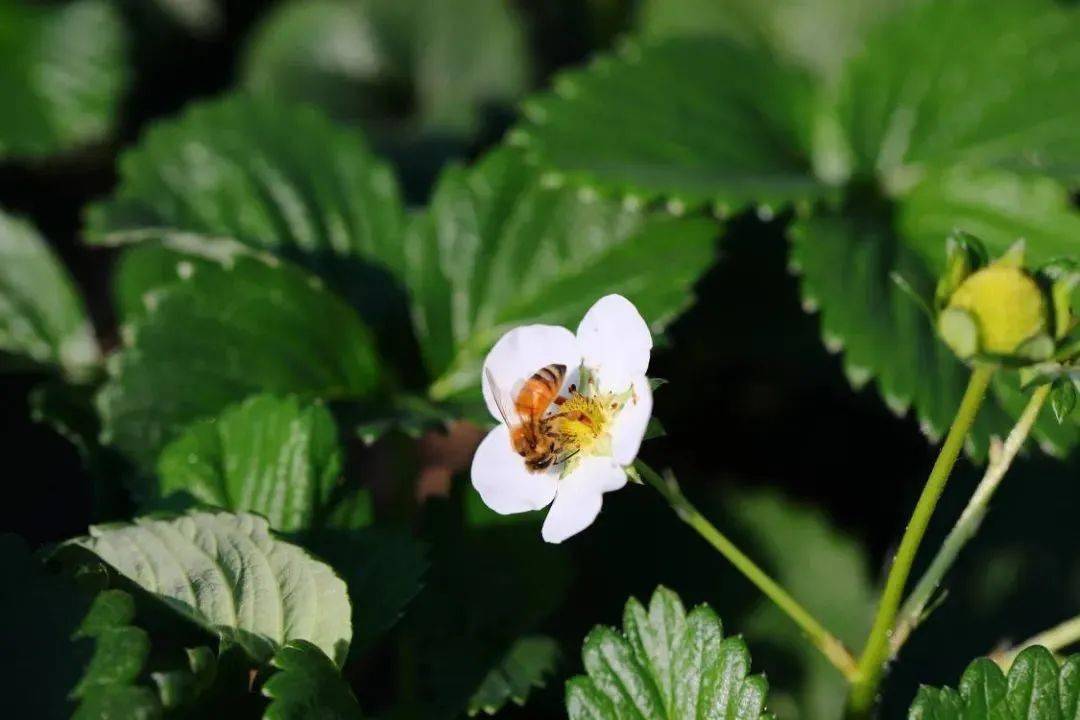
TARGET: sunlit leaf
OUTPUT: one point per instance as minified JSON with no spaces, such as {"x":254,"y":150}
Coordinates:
{"x":1036,"y":688}
{"x":229,"y":574}
{"x":665,"y":665}
{"x":63,"y":75}
{"x":277,"y":457}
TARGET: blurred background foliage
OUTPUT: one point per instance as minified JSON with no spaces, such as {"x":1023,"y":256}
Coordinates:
{"x":750,"y":173}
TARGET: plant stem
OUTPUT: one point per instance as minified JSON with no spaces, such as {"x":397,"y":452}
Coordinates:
{"x":911,"y":613}
{"x":825,"y":641}
{"x":1055,"y":640}
{"x":874,"y":655}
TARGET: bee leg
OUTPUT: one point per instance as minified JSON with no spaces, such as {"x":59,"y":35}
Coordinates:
{"x":559,"y":400}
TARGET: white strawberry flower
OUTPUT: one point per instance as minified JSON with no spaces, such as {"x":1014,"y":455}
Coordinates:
{"x":606,"y":402}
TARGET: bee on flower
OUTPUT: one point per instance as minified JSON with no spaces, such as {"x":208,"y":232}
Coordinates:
{"x":572,"y":412}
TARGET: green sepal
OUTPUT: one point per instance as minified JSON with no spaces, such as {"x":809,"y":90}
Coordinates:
{"x":964,"y":254}
{"x":960,"y":332}
{"x":1037,"y":348}
{"x":1063,"y":398}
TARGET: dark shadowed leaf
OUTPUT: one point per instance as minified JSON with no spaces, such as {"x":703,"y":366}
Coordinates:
{"x":647,"y":123}
{"x":241,"y":324}
{"x":528,"y":664}
{"x":307,"y":684}
{"x":357,"y":59}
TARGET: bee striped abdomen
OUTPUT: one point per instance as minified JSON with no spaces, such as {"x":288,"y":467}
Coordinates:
{"x":540,"y":390}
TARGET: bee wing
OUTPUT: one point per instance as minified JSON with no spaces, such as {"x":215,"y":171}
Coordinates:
{"x":502,"y":401}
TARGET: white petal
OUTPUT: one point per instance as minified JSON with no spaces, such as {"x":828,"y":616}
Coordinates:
{"x":629,"y":428}
{"x":521,"y":352}
{"x":615,"y":342}
{"x":579,"y":498}
{"x":504,"y":483}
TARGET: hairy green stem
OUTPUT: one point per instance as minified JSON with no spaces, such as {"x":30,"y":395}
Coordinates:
{"x":874,"y":655}
{"x":911,"y":613}
{"x":1055,"y":640}
{"x":826,"y":642}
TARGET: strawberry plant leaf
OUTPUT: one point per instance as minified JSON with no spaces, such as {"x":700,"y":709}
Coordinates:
{"x":499,"y":248}
{"x":1036,"y":688}
{"x":307,"y":684}
{"x":42,"y":317}
{"x":275,"y":456}
{"x":527,"y":665}
{"x":108,"y":687}
{"x":666,"y":664}
{"x":240,"y":324}
{"x":886,"y":336}
{"x":354,"y":59}
{"x":735,"y":136}
{"x":229,"y":574}
{"x":792,"y":29}
{"x":64,"y":72}
{"x":925,"y":95}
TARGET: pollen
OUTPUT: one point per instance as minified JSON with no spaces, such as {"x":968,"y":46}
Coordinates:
{"x":583,"y":422}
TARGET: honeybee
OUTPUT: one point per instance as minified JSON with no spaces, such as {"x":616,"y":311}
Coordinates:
{"x":534,"y":434}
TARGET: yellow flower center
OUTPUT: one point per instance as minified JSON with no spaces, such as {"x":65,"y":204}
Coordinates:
{"x":583,"y":422}
{"x":1006,"y":304}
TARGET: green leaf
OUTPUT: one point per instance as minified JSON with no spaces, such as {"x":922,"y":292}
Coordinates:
{"x":384,"y":570}
{"x":818,"y":34}
{"x":307,"y":685}
{"x":241,"y":324}
{"x":487,"y":587}
{"x":63,"y":75}
{"x":357,"y":59}
{"x":42,"y":317}
{"x":884,"y":335}
{"x":927,"y":95}
{"x":233,"y":168}
{"x":278,"y":457}
{"x":108,"y":687}
{"x":229,"y":574}
{"x":527,"y":665}
{"x":499,"y":248}
{"x":830,"y":574}
{"x":1036,"y":689}
{"x":665,"y":665}
{"x":735,"y":135}
{"x":996,"y":206}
